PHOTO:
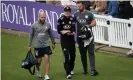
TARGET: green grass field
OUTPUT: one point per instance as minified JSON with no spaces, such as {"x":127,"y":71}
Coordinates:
{"x":14,"y":50}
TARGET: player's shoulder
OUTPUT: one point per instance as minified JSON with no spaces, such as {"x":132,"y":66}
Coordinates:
{"x":77,"y":12}
{"x":61,"y":17}
{"x":72,"y":18}
{"x":35,"y":24}
{"x":47,"y":23}
{"x":88,"y":12}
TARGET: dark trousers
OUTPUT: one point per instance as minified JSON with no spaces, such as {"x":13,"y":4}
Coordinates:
{"x":83,"y":52}
{"x":68,"y":48}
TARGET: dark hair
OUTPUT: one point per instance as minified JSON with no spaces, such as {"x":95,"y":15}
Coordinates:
{"x":67,"y":8}
{"x":82,"y":2}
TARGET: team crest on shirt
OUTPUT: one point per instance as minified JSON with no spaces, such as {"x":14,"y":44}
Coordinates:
{"x":46,"y":27}
{"x":77,"y":17}
{"x":70,"y":22}
{"x":71,"y":18}
{"x":86,"y":16}
{"x":63,"y":23}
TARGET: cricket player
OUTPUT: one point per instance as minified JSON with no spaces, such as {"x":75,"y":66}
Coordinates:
{"x":40,"y":33}
{"x":66,"y":29}
{"x":85,"y":18}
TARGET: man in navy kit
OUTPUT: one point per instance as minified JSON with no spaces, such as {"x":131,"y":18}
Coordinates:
{"x":85,"y":18}
{"x":66,"y":28}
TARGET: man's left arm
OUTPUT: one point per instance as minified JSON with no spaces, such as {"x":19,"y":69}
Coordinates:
{"x":51,"y":37}
{"x":93,"y":21}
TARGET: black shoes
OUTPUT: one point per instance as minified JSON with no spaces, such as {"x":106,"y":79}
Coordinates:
{"x":85,"y":72}
{"x":69,"y":76}
{"x":94,"y":73}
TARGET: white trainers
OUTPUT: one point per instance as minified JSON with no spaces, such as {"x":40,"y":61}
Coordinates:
{"x":46,"y":77}
{"x":69,"y":76}
{"x":72,"y":72}
{"x":39,"y":74}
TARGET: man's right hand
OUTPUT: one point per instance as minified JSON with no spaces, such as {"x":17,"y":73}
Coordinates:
{"x":73,"y":33}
